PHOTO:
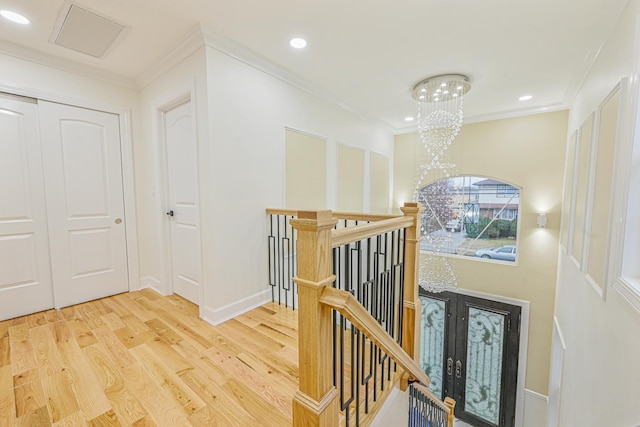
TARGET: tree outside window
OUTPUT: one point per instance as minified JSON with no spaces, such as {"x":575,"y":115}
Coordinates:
{"x":477,"y":216}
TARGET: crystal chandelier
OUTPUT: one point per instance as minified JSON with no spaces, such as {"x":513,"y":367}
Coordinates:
{"x":440,"y":116}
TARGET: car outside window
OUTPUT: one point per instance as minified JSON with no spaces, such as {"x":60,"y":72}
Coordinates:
{"x":471,"y":216}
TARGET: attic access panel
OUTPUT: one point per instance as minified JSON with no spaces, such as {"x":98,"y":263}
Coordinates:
{"x":87,"y":32}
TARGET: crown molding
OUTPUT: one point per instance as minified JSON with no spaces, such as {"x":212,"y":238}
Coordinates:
{"x":581,"y":74}
{"x":507,"y":114}
{"x":200,"y":36}
{"x":249,"y":57}
{"x":510,"y":114}
{"x":28,"y":54}
{"x":190,"y":43}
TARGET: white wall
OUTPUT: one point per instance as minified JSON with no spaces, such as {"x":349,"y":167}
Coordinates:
{"x":31,"y":78}
{"x":242,"y":113}
{"x":600,"y":375}
{"x":187,"y":76}
{"x":248,"y":113}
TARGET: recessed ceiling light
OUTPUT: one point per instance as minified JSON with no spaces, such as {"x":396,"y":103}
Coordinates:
{"x":298,"y":43}
{"x":14,"y":17}
{"x":525,"y":98}
{"x":408,"y":119}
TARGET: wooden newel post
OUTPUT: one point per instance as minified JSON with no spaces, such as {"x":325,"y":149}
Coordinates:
{"x":452,"y":405}
{"x":315,"y":403}
{"x":412,"y":307}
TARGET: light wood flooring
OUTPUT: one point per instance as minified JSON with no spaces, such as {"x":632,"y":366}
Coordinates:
{"x":139,"y":359}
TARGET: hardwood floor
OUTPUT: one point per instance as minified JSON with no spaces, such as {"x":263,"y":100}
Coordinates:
{"x":139,"y":359}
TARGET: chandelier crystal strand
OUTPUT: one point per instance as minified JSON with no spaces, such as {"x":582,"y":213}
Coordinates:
{"x":440,"y":116}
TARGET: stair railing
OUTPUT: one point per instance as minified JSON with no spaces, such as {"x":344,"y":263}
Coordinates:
{"x":426,"y":410}
{"x":377,"y":332}
{"x":281,"y":238}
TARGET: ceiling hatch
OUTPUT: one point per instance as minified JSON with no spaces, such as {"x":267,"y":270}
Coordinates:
{"x":86,"y":32}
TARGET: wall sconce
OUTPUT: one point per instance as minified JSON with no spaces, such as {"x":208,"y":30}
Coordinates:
{"x":542,"y":220}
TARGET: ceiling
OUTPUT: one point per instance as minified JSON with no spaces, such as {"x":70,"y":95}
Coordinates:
{"x":365,"y":55}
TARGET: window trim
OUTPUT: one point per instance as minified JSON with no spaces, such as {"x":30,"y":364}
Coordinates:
{"x":504,"y":191}
{"x":629,"y":289}
{"x":515,"y":195}
{"x":625,"y":228}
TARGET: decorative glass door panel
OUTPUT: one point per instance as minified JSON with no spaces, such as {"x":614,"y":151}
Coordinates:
{"x":485,"y":343}
{"x":470,"y":351}
{"x":433,"y":338}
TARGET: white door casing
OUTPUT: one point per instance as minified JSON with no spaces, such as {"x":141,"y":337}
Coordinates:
{"x":25,"y":275}
{"x":182,"y":180}
{"x":85,"y":206}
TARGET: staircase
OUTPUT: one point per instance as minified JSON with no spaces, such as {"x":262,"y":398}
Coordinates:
{"x":353,"y":279}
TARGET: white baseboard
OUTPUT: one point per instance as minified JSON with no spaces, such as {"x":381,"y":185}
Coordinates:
{"x":222,"y":314}
{"x":153,"y":283}
{"x":535,"y":409}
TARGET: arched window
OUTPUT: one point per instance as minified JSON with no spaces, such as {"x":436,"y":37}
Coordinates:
{"x":471,"y":216}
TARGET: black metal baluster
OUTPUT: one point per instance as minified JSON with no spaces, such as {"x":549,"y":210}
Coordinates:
{"x":334,"y":316}
{"x":401,"y":255}
{"x":286,"y":260}
{"x":271,"y":258}
{"x":294,"y":266}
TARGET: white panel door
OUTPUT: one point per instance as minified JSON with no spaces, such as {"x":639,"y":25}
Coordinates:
{"x":85,"y":204}
{"x":183,"y":201}
{"x":25,"y":275}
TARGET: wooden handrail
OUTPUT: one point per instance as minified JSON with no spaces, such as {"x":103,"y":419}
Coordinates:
{"x":275,"y":211}
{"x":346,"y":235}
{"x":357,"y":216}
{"x":347,"y":305}
{"x":316,"y":401}
{"x":354,"y":216}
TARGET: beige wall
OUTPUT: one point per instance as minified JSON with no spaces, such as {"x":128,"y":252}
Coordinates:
{"x":305,"y":171}
{"x":350,"y":179}
{"x":528,"y":152}
{"x":379,"y":178}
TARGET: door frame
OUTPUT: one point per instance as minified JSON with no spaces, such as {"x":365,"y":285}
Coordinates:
{"x":160,"y":107}
{"x":524,"y":339}
{"x":126,"y":153}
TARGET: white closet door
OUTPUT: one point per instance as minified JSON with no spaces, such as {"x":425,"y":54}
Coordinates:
{"x":25,"y":277}
{"x":85,"y":205}
{"x":182,"y":168}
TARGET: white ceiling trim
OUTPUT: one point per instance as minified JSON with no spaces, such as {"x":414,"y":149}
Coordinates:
{"x":581,"y":75}
{"x":201,"y":36}
{"x":269,"y":67}
{"x":189,"y":44}
{"x":510,"y":114}
{"x":41,"y":58}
